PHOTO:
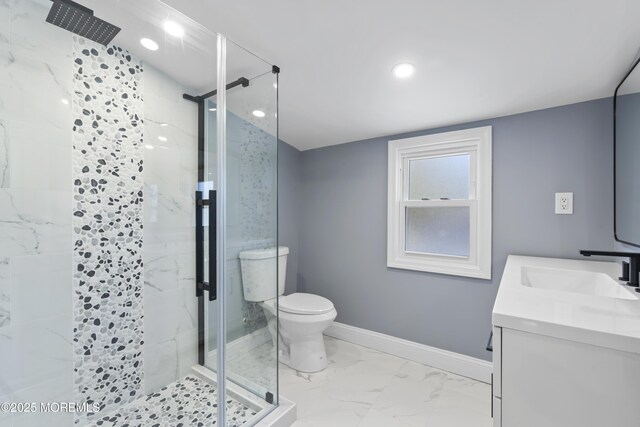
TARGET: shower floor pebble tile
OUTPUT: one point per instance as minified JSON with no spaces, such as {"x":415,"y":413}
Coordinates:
{"x":189,"y":402}
{"x":366,"y":388}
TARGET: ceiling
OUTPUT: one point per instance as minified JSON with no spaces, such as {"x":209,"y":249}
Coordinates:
{"x":191,"y":60}
{"x":474,"y":59}
{"x":631,"y":84}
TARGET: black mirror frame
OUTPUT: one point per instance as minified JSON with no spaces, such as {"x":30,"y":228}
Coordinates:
{"x":615,"y":202}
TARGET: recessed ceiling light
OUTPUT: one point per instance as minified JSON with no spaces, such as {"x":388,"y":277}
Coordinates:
{"x":173,"y":28}
{"x":65,"y":101}
{"x":162,"y":138}
{"x":149,"y":44}
{"x":164,"y":125}
{"x":148,"y":146}
{"x":212,"y":109}
{"x":259,"y":113}
{"x":404,"y":70}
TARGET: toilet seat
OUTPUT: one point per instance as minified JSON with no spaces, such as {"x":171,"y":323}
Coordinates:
{"x":301,"y":303}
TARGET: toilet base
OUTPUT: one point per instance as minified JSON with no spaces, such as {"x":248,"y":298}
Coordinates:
{"x":306,"y":354}
{"x":300,"y":340}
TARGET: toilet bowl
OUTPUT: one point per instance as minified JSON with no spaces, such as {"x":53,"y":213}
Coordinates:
{"x":301,"y":317}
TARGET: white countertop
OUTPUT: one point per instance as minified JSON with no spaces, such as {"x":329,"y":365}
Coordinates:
{"x":602,"y":321}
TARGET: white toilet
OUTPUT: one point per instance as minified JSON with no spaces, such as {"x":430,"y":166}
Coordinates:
{"x":303,"y":317}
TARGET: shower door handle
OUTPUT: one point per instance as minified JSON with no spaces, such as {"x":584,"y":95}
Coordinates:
{"x":213,"y":246}
{"x":199,"y":245}
{"x":201,"y":285}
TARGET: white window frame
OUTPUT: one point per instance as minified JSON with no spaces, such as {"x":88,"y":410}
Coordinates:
{"x":477,"y":143}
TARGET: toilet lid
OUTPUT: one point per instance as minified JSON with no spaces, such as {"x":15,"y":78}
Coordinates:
{"x":300,"y":303}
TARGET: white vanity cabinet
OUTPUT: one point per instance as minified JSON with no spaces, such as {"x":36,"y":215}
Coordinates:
{"x":562,"y":360}
{"x":551,"y":382}
{"x":496,"y":378}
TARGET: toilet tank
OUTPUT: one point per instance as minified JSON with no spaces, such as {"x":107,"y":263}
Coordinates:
{"x":258,"y":268}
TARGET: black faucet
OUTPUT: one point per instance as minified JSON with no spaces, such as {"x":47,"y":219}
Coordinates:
{"x":629,"y":269}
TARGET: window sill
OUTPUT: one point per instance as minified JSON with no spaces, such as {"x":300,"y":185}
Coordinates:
{"x":451,"y":268}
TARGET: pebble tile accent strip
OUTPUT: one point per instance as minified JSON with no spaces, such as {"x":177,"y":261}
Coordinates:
{"x":107,"y":226}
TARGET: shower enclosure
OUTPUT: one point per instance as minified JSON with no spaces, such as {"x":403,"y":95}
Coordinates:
{"x":132,"y":173}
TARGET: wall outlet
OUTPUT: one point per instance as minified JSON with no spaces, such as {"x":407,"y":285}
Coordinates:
{"x":564,"y":203}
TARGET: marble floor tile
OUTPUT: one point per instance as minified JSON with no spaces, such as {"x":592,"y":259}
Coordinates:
{"x":420,"y":395}
{"x":364,"y":387}
{"x":375,"y":418}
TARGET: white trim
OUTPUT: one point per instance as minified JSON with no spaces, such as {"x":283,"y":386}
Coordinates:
{"x":466,"y":366}
{"x":477,"y":143}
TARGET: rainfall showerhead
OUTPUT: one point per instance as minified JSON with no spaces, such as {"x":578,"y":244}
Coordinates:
{"x":80,"y":20}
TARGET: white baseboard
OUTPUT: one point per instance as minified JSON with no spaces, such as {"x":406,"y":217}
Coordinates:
{"x":456,"y":363}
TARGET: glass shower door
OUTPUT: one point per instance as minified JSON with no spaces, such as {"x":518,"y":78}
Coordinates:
{"x":206,"y":268}
{"x":251,"y":317}
{"x":239,"y":176}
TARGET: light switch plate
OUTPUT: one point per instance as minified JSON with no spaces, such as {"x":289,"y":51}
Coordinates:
{"x":564,"y":203}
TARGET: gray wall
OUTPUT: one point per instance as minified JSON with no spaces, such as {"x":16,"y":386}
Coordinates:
{"x":343,"y":205}
{"x":289,"y":160}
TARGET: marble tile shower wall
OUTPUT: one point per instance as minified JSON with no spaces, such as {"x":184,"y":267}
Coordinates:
{"x":170,"y":177}
{"x":36,"y":323}
{"x":36,"y":214}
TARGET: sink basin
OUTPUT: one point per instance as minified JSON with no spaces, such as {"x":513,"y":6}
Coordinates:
{"x":580,"y":282}
{"x":569,"y":299}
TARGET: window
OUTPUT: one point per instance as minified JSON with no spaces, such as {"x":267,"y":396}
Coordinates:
{"x":439,"y":217}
